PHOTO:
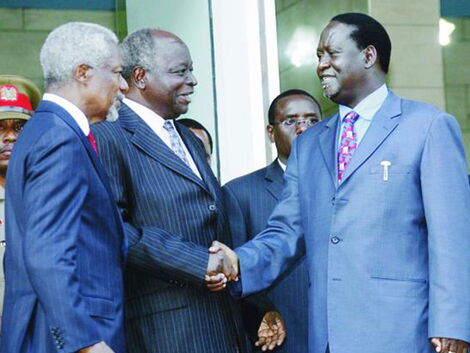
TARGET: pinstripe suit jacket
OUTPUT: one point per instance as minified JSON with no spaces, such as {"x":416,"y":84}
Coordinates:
{"x":250,"y":200}
{"x":63,"y":260}
{"x":171,"y":218}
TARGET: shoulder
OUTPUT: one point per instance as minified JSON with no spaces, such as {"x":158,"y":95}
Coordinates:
{"x":45,"y":129}
{"x":106,"y":129}
{"x":246,"y":182}
{"x":424,"y":116}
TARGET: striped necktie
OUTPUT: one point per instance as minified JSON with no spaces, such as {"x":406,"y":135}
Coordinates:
{"x":175,"y":142}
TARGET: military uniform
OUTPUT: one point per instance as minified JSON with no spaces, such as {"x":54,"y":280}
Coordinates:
{"x":18,"y":99}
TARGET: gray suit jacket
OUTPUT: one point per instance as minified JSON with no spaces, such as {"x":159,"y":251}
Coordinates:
{"x":171,"y":218}
{"x":387,"y":256}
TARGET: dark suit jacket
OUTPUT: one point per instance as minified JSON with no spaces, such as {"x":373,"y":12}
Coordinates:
{"x":171,"y":218}
{"x":250,"y":200}
{"x":63,"y":260}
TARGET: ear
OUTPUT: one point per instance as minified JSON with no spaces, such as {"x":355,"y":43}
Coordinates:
{"x":138,"y":77}
{"x":270,"y":132}
{"x":370,"y":56}
{"x":82,"y":73}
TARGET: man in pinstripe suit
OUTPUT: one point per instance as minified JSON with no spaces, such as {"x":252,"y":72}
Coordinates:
{"x":250,"y":200}
{"x":171,"y":204}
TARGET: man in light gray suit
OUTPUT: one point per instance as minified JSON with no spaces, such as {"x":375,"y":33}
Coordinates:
{"x":378,"y":198}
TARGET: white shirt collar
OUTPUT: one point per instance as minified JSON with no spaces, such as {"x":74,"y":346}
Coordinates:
{"x":72,"y":109}
{"x":152,"y":119}
{"x":282,"y":165}
{"x":368,"y":106}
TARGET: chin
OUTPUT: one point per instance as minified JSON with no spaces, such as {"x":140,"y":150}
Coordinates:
{"x":112,"y":114}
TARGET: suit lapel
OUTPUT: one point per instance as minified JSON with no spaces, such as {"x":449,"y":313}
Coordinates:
{"x":190,"y":140}
{"x":383,"y":123}
{"x":64,"y":115}
{"x":60,"y":112}
{"x":328,"y":146}
{"x":274,"y":179}
{"x":144,"y":138}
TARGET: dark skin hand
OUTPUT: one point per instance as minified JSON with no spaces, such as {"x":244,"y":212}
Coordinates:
{"x":220,"y":269}
{"x":272,"y":331}
{"x":449,"y":345}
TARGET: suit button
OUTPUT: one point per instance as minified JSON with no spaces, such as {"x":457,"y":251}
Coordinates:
{"x":212,"y":208}
{"x":333,"y":200}
{"x":335,"y":240}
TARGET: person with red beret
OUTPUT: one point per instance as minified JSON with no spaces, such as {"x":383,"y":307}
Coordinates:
{"x":19,"y":97}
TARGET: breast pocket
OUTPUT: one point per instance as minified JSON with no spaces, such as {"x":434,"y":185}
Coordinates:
{"x":391,"y":169}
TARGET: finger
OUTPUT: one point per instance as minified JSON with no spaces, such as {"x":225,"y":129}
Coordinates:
{"x":436,"y":343}
{"x":452,"y":345}
{"x":216,"y":285}
{"x":273,"y":343}
{"x":445,"y":345}
{"x":216,"y":278}
{"x":282,"y":337}
{"x":216,"y":246}
{"x":217,"y":289}
{"x":261,"y":340}
{"x":463,"y":346}
{"x":266,"y":345}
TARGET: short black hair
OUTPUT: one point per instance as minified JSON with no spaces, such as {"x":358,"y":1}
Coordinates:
{"x":368,"y":32}
{"x":193,"y":124}
{"x":291,"y":92}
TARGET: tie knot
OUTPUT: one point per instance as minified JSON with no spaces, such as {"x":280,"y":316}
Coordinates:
{"x":167,"y":125}
{"x":351,"y":117}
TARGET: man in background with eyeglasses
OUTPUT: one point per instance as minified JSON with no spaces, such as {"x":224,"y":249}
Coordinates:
{"x":250,"y":200}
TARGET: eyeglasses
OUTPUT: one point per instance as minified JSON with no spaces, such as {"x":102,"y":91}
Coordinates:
{"x":293,"y":122}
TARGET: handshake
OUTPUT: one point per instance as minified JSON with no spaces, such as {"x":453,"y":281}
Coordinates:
{"x":222,"y":267}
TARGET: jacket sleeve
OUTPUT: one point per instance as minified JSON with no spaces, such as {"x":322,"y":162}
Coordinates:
{"x":54,"y":191}
{"x":446,"y":201}
{"x":150,"y":249}
{"x":265,"y":257}
{"x":255,"y":306}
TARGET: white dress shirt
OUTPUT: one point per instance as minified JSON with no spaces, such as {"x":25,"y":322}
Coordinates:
{"x":72,"y":109}
{"x":366,"y":110}
{"x":155,"y":122}
{"x":282,"y":165}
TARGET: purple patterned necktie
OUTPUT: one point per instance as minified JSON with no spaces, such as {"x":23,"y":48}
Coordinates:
{"x":347,"y":144}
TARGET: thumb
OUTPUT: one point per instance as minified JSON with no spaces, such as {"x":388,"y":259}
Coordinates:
{"x":215,"y":247}
{"x":436,"y":342}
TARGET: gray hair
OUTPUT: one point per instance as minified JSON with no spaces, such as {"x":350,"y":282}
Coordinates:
{"x":138,"y":49}
{"x":71,"y":45}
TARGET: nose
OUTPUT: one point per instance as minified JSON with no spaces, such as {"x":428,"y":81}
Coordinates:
{"x":300,"y":126}
{"x":323,"y":63}
{"x":192,"y":81}
{"x":10,"y":136}
{"x":123,"y":86}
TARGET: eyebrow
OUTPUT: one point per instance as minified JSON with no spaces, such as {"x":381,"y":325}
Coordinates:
{"x":294,"y":115}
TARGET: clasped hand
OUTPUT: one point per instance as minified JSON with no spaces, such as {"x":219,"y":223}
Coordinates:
{"x":222,"y":267}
